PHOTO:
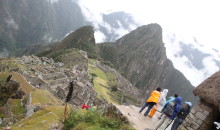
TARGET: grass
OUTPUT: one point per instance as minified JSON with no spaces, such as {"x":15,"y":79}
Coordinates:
{"x":98,"y":72}
{"x":99,"y":77}
{"x":41,"y":120}
{"x":17,"y":109}
{"x":44,"y":97}
{"x":26,"y":87}
{"x":93,"y":120}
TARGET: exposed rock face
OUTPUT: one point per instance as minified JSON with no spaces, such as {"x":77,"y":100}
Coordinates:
{"x":112,"y":111}
{"x":141,"y":58}
{"x":8,"y":90}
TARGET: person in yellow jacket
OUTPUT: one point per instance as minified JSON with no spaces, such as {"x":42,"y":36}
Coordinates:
{"x":151,"y":101}
{"x":160,"y":104}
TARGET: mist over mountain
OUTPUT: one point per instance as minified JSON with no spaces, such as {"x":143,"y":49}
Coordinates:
{"x":116,"y":24}
{"x":195,"y":61}
{"x":25,"y":22}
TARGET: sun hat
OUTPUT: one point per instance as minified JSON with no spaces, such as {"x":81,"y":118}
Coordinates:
{"x":189,"y":103}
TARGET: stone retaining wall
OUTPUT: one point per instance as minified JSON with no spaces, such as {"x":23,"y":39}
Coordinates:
{"x":200,"y":118}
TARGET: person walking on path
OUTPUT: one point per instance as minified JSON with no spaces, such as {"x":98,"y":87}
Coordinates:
{"x":170,"y":113}
{"x":181,"y":115}
{"x":160,"y":104}
{"x":152,"y":100}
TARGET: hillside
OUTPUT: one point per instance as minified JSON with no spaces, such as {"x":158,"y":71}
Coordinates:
{"x":141,"y":58}
{"x":44,"y":85}
{"x":82,"y":38}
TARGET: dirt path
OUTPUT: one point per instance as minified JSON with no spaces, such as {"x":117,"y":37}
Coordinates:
{"x":138,"y":120}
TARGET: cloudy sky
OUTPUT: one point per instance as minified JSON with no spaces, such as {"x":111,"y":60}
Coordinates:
{"x":187,"y":19}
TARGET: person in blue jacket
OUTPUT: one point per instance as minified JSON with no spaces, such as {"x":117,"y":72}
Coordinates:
{"x":168,"y":118}
{"x":164,"y":106}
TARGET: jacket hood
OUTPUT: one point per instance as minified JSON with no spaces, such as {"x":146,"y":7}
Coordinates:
{"x":178,"y":100}
{"x":164,"y":93}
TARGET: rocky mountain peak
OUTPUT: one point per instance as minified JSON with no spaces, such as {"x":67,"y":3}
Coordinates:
{"x":141,"y":58}
{"x":77,"y":38}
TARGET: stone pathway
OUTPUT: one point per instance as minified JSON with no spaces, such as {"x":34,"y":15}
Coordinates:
{"x":138,"y":120}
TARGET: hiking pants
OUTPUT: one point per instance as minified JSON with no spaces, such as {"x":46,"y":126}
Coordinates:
{"x":163,"y":123}
{"x":150,"y":106}
{"x":176,"y":123}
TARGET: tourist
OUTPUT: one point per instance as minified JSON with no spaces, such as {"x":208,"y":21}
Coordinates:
{"x":152,"y":100}
{"x":170,"y":100}
{"x":181,"y":115}
{"x":170,"y":112}
{"x":160,"y":104}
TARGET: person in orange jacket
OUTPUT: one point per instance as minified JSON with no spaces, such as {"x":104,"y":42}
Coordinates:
{"x":160,"y":104}
{"x":151,"y":101}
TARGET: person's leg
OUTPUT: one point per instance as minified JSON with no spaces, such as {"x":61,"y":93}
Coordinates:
{"x":152,"y":112}
{"x":161,"y":116}
{"x":145,"y":105}
{"x":151,"y":104}
{"x":175,"y":124}
{"x":160,"y":122}
{"x":166,"y":123}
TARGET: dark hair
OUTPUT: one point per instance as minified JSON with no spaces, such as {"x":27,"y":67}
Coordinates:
{"x":158,"y":89}
{"x":175,"y":95}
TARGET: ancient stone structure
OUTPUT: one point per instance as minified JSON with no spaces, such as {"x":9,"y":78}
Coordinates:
{"x":207,"y":110}
{"x":44,"y":73}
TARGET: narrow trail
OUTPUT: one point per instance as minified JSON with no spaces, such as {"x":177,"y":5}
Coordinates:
{"x":138,"y":120}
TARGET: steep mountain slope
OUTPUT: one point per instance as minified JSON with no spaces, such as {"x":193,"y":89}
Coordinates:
{"x":24,"y":22}
{"x":82,"y":38}
{"x":141,"y":58}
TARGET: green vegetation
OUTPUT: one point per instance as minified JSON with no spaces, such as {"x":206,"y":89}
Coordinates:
{"x":100,"y":82}
{"x":41,"y":120}
{"x":70,"y":57}
{"x":17,"y":109}
{"x":25,"y":86}
{"x":108,"y":52}
{"x":44,"y":97}
{"x":93,"y":120}
{"x":82,"y":39}
{"x":106,"y":85}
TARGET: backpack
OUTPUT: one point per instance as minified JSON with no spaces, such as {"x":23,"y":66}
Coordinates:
{"x":169,"y":109}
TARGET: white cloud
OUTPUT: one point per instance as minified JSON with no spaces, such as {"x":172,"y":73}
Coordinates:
{"x":52,"y":1}
{"x":191,"y":18}
{"x":11,"y":23}
{"x":99,"y":37}
{"x":4,"y":53}
{"x":182,"y":63}
{"x":186,"y":18}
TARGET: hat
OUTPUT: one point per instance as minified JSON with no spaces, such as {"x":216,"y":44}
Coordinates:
{"x":189,"y":103}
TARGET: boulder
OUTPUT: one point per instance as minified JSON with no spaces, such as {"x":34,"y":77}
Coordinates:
{"x":112,"y":111}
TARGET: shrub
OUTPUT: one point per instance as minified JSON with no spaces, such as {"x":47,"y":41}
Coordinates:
{"x":92,"y":120}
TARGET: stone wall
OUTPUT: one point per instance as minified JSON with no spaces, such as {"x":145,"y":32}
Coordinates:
{"x":200,"y":118}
